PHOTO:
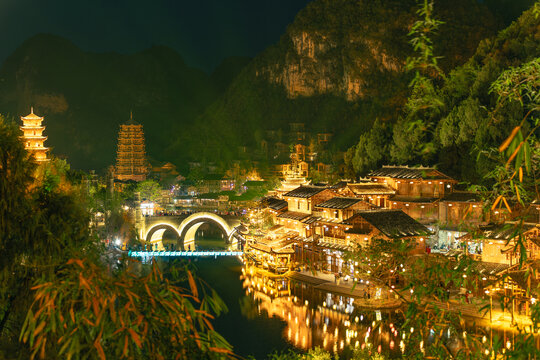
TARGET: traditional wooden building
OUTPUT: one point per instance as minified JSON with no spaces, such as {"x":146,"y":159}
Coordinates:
{"x":131,"y":163}
{"x":497,"y":243}
{"x":341,"y":208}
{"x":418,"y":190}
{"x":459,"y":212}
{"x":334,"y":237}
{"x":274,"y":205}
{"x":273,"y":252}
{"x":300,"y":205}
{"x":414,"y":181}
{"x":377,"y":194}
{"x":461,"y":208}
{"x":33,"y":137}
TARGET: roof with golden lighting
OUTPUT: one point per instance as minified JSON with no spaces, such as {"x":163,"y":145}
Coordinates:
{"x":32,"y":116}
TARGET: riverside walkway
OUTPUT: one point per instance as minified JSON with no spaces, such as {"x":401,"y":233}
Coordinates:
{"x":359,"y":291}
{"x":478,"y":308}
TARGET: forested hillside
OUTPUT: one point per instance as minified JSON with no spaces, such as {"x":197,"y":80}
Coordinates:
{"x":339,"y":66}
{"x":462,"y":124}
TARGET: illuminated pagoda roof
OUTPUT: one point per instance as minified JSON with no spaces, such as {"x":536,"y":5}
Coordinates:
{"x":131,"y":121}
{"x":33,"y":137}
{"x":32,"y":116}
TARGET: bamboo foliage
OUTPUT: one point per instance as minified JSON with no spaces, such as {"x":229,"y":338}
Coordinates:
{"x":85,"y":313}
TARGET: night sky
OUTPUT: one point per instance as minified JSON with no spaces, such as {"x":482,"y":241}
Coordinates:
{"x":203,"y":32}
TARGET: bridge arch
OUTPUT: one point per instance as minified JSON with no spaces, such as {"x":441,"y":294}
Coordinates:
{"x":189,"y":226}
{"x":154,"y":235}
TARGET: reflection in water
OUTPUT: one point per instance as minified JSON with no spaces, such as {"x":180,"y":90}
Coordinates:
{"x":269,"y":312}
{"x":334,"y":322}
{"x":317,"y":318}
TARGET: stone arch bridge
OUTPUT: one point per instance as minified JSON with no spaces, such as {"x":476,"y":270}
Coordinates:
{"x":152,"y":228}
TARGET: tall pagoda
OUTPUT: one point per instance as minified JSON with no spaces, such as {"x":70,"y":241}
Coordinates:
{"x":131,"y":158}
{"x":33,"y":137}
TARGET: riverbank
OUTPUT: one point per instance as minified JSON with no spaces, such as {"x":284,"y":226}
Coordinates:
{"x":477,"y":308}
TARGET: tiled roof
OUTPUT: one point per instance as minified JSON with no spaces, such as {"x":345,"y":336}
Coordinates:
{"x":274,"y":204}
{"x":293,"y":215}
{"x":339,"y":185}
{"x":521,"y":278}
{"x":276,"y":228}
{"x":370,"y":189}
{"x":489,"y":268}
{"x":311,"y":220}
{"x":405,"y":172}
{"x":393,"y":223}
{"x":338,"y":203}
{"x":357,"y":231}
{"x":305,"y":191}
{"x":535,"y":240}
{"x":505,"y":231}
{"x":462,"y":196}
{"x":413,"y":199}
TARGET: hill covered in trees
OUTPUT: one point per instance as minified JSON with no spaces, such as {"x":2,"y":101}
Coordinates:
{"x":339,"y":66}
{"x":462,"y":124}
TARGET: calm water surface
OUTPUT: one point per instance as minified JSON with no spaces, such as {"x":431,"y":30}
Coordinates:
{"x":267,"y":315}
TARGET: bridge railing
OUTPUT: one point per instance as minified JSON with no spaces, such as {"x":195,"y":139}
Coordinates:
{"x":146,"y":254}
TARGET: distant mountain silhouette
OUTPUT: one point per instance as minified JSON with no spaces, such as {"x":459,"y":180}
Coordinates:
{"x":85,"y":96}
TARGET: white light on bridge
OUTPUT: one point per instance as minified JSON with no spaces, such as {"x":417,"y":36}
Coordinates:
{"x":183,"y":253}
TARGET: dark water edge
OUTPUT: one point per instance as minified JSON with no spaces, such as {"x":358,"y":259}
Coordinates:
{"x":257,"y":324}
{"x":256,"y":336}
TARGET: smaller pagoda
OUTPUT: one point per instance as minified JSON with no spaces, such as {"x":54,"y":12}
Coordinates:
{"x":131,"y":161}
{"x":33,"y":137}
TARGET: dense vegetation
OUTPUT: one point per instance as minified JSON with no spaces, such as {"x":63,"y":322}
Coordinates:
{"x":63,"y":294}
{"x":460,"y":122}
{"x":185,"y":113}
{"x":349,"y":40}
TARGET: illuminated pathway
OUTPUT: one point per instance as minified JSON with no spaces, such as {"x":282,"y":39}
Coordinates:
{"x":146,"y":254}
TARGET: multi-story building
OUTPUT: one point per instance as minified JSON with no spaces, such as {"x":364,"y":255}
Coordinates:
{"x":429,"y":196}
{"x":33,"y":137}
{"x":300,"y":204}
{"x":131,"y":163}
{"x":326,"y":225}
{"x":417,"y":190}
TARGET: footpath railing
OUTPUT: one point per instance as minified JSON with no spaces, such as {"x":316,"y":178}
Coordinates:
{"x":146,"y":254}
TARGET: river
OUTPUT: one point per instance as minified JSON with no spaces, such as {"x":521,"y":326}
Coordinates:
{"x":276,"y":314}
{"x":300,"y":317}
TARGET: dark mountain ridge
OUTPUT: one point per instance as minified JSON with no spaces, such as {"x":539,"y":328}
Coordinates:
{"x":85,"y":96}
{"x":339,"y":66}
